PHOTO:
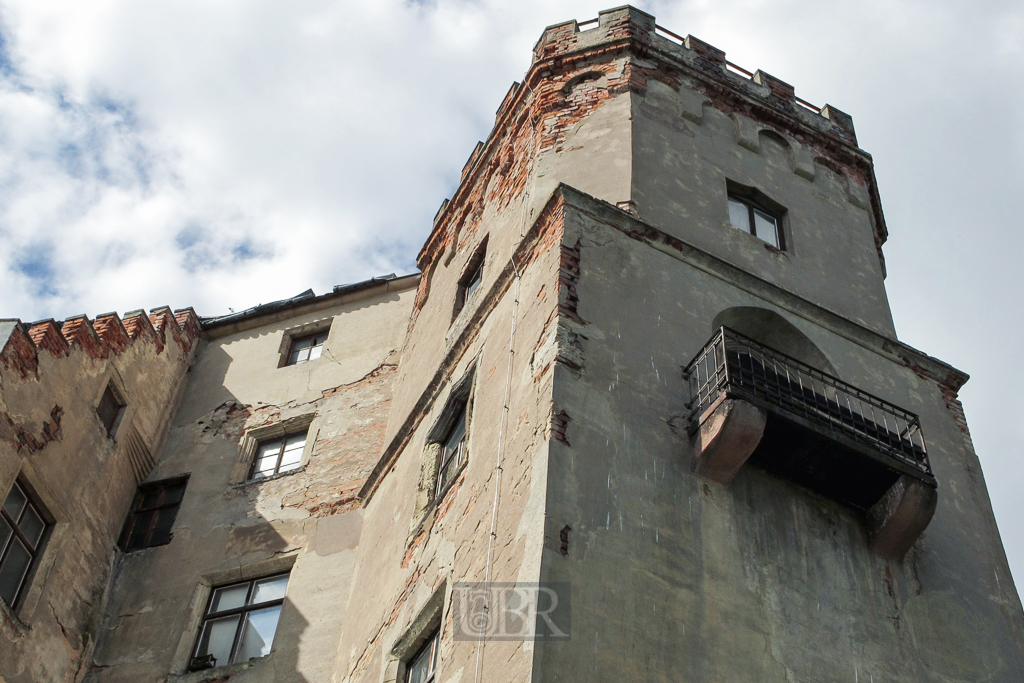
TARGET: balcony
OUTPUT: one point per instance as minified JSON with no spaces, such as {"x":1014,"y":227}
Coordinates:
{"x":751,"y":402}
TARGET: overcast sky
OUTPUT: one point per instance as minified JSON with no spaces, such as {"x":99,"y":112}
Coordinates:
{"x":223,"y":154}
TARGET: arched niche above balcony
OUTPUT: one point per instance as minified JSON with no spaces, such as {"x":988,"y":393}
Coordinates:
{"x":772,"y":330}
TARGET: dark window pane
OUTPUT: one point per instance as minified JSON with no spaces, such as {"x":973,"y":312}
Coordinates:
{"x":12,"y":571}
{"x":455,"y":437}
{"x":174,"y":494}
{"x":258,"y":633}
{"x":150,"y":499}
{"x":140,"y":531}
{"x":218,"y":637}
{"x":162,"y":530}
{"x":32,"y":525}
{"x":109,"y":408}
{"x":15,"y":502}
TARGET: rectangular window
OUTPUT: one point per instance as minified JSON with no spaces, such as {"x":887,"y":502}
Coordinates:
{"x":748,"y":214}
{"x":423,"y":665}
{"x":156,"y":506}
{"x":22,"y":526}
{"x":240,"y":622}
{"x":453,"y":452}
{"x":110,"y":408}
{"x":471,"y":278}
{"x":279,"y":455}
{"x":306,"y":348}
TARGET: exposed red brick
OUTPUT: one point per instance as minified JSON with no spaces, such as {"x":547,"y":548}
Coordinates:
{"x":19,"y":354}
{"x":46,"y":335}
{"x":559,"y":423}
{"x":189,"y":324}
{"x":23,"y":438}
{"x":78,"y":331}
{"x":568,"y":278}
{"x":111,"y":332}
{"x":138,"y":326}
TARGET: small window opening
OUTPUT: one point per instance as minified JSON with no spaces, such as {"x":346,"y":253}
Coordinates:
{"x":240,"y":622}
{"x":453,"y":453}
{"x":753,"y":213}
{"x":423,"y":665}
{"x":306,"y":348}
{"x":110,"y":408}
{"x":471,"y":279}
{"x":277,"y":456}
{"x":153,"y":514}
{"x":22,"y":527}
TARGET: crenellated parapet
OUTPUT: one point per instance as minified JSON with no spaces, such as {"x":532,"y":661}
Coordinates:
{"x":105,"y":336}
{"x":578,"y":67}
{"x":628,"y":27}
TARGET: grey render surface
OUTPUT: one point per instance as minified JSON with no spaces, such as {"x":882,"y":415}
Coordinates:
{"x":610,"y":260}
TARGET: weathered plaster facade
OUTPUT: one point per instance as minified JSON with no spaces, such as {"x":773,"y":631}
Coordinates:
{"x":598,"y":210}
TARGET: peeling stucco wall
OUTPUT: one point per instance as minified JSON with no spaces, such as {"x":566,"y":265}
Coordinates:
{"x":51,"y":379}
{"x":599,"y":207}
{"x":306,"y":520}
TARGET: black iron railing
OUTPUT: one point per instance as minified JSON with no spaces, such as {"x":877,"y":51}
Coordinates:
{"x":734,"y":365}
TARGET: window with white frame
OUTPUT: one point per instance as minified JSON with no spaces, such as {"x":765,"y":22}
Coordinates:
{"x":278,"y":455}
{"x":422,"y":667}
{"x":753,"y":212}
{"x":307,"y":348}
{"x":240,"y":622}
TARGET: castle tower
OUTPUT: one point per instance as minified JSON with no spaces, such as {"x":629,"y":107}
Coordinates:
{"x":642,"y":416}
{"x":655,"y":307}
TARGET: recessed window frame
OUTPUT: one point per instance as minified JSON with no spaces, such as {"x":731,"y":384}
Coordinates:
{"x":170,"y":493}
{"x":282,"y":443}
{"x":428,"y":655}
{"x":757,"y":204}
{"x":471,"y":279}
{"x":12,"y":532}
{"x":453,"y":453}
{"x":312,"y":345}
{"x":202,"y":661}
{"x":318,"y":331}
{"x":449,"y":450}
{"x":111,"y":408}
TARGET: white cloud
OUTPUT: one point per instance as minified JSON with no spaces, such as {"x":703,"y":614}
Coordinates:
{"x":220,"y":154}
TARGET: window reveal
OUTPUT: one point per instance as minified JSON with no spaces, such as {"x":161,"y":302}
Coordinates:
{"x":110,"y":408}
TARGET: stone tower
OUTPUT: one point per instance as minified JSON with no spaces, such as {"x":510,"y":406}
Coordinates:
{"x":685,"y":380}
{"x":648,"y":366}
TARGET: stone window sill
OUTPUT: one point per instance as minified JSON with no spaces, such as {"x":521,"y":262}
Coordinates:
{"x":264,"y":480}
{"x":11,"y":618}
{"x":218,"y":673}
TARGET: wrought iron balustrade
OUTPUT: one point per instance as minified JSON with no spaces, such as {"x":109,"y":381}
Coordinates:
{"x":732,"y":365}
